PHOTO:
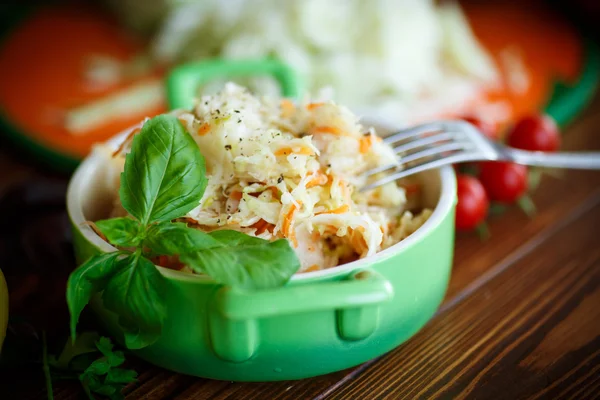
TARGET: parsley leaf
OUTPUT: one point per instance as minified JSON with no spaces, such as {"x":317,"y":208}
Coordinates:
{"x":103,"y":376}
{"x":106,"y":347}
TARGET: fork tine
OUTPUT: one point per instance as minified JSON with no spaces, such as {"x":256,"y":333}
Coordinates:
{"x":383,"y":168}
{"x":411,"y":132}
{"x":461,"y":156}
{"x":433,"y":151}
{"x":427,"y":152}
{"x":415,"y":144}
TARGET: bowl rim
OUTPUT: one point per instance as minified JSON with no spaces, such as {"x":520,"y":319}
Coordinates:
{"x":88,"y":166}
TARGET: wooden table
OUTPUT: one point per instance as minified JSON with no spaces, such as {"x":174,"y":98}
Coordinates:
{"x":521,"y":318}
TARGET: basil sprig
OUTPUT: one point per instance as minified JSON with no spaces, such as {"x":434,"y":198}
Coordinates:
{"x":164,"y":178}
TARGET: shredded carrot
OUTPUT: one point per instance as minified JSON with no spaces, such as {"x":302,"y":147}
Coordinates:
{"x":329,"y":230}
{"x":412,"y":188}
{"x":312,"y":106}
{"x":287,"y":108}
{"x":339,"y":210}
{"x":236,"y":195}
{"x":313,"y":267}
{"x":96,"y":230}
{"x":127,"y":140}
{"x":169,"y":262}
{"x":332,"y":229}
{"x":287,"y":225}
{"x":204,"y":129}
{"x":293,"y":238}
{"x":345,"y":191}
{"x":315,"y":236}
{"x":162,"y":261}
{"x":357,"y":240}
{"x":328,"y":129}
{"x":262,"y":226}
{"x":317,"y":180}
{"x":274,"y":192}
{"x":285,"y":151}
{"x":364,"y":144}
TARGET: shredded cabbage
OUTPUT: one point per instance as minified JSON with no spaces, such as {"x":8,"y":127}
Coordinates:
{"x":397,"y":60}
{"x":278,"y":169}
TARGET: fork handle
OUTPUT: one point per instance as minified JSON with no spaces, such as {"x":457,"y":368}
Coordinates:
{"x":578,"y":160}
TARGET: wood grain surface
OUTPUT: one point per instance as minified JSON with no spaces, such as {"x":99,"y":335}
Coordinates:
{"x":521,"y":318}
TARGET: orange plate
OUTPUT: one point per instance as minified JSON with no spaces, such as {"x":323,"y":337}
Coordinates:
{"x":41,"y":75}
{"x":42,"y":63}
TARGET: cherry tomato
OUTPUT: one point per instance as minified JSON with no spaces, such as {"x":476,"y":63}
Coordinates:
{"x":486,"y":128}
{"x":504,"y":182}
{"x":473,"y":204}
{"x":535,"y":133}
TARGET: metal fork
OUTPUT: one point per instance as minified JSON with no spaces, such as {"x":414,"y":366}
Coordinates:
{"x":436,"y":144}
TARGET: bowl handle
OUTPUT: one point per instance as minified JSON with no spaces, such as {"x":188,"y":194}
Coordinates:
{"x":184,"y":80}
{"x":234,"y":313}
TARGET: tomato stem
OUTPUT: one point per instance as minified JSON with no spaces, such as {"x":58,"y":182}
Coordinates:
{"x":469,"y":169}
{"x":483,"y":231}
{"x":553,"y":172}
{"x":497,"y":209}
{"x":534,"y":178}
{"x":526,"y":204}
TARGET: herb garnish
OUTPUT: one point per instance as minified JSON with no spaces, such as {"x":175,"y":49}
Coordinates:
{"x":102,"y":375}
{"x":164,"y":178}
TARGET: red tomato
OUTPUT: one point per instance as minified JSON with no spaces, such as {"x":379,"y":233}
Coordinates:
{"x":486,"y":128}
{"x":504,"y":182}
{"x":473,"y":204}
{"x":535,"y":133}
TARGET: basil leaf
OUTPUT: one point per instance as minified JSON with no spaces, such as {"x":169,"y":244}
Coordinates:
{"x":177,"y":238}
{"x":91,"y":380}
{"x":90,"y":277}
{"x":164,"y":176}
{"x":121,"y":231}
{"x":235,"y":238}
{"x":98,"y":367}
{"x":244,"y":261}
{"x":135,"y":294}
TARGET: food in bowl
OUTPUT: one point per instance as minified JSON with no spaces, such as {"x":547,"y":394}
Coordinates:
{"x":294,"y":169}
{"x":339,"y":316}
{"x":277,"y":170}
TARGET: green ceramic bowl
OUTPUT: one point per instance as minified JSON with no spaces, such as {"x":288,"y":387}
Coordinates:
{"x":318,"y":323}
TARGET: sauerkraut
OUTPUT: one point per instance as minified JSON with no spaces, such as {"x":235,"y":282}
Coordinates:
{"x":279,"y":169}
